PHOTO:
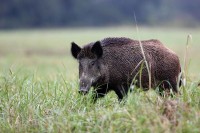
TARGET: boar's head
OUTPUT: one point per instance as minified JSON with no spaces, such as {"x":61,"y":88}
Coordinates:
{"x":89,"y":64}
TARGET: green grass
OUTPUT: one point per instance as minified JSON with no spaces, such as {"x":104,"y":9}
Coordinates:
{"x":39,"y":85}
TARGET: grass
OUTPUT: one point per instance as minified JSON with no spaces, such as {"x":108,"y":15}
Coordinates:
{"x":39,"y":86}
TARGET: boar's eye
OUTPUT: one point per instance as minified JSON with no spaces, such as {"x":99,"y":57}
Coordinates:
{"x":92,"y":63}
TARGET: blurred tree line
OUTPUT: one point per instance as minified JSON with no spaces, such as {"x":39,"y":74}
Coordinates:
{"x":57,"y":13}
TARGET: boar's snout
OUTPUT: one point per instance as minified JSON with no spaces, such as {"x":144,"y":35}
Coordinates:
{"x":84,"y":86}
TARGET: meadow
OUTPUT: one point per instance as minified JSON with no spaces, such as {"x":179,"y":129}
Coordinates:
{"x":39,"y":85}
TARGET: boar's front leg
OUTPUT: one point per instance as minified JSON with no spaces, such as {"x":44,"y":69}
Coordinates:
{"x":121,"y":91}
{"x":100,"y":92}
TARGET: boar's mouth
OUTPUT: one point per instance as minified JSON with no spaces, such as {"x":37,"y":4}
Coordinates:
{"x":84,"y":89}
{"x":85,"y":86}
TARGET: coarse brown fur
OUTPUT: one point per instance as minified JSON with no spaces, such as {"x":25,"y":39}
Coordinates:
{"x":122,"y":61}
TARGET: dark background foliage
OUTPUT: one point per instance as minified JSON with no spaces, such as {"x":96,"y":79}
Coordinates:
{"x":58,"y":13}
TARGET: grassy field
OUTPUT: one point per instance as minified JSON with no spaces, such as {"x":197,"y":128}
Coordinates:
{"x":39,"y":85}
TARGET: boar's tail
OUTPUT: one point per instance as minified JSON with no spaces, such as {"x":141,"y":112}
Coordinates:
{"x":180,"y":78}
{"x":180,"y":82}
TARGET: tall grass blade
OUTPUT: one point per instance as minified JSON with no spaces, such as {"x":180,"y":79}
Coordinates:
{"x":186,"y":67}
{"x":143,"y":54}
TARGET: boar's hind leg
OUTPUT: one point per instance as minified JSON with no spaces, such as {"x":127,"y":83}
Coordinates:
{"x":174,"y":86}
{"x":171,"y":84}
{"x":121,"y":91}
{"x":100,"y":92}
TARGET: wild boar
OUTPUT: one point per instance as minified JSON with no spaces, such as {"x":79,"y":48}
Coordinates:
{"x":113,"y":63}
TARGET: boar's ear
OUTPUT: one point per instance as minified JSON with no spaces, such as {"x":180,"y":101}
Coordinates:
{"x":97,"y":49}
{"x":75,"y":49}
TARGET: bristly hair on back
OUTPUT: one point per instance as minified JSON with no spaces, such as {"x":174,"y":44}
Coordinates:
{"x":115,"y":41}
